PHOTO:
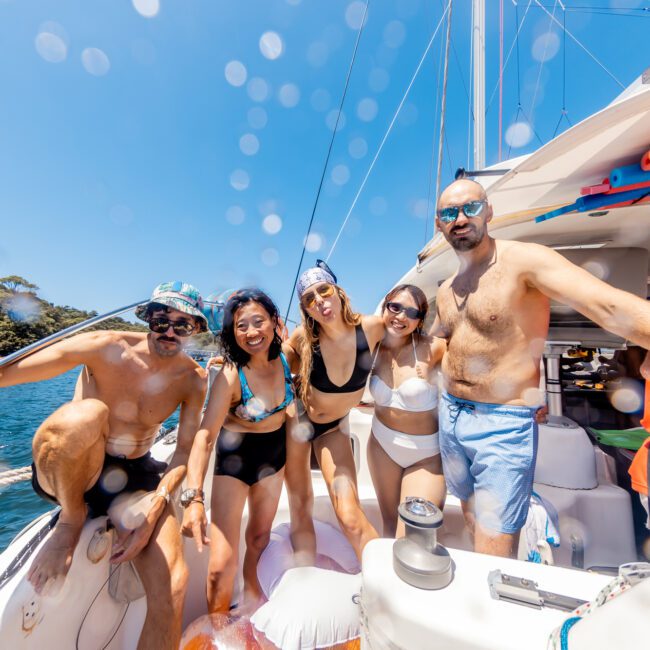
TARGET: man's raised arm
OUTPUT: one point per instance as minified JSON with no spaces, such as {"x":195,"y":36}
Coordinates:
{"x":54,"y":360}
{"x":615,"y":310}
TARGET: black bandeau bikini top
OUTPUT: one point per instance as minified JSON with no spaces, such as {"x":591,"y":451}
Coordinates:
{"x":362,"y":364}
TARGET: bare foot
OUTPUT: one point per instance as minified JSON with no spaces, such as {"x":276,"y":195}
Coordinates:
{"x":252,"y":601}
{"x":53,"y":561}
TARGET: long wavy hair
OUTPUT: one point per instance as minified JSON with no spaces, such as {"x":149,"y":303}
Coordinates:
{"x":231,"y":351}
{"x":310,"y":338}
{"x":420,"y":300}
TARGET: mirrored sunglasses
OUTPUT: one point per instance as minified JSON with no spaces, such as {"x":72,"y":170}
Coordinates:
{"x":471,"y":209}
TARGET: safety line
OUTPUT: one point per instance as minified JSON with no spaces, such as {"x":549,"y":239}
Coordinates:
{"x":390,"y":127}
{"x":327,"y":158}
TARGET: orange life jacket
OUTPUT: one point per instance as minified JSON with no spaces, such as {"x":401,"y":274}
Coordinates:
{"x":640,"y":468}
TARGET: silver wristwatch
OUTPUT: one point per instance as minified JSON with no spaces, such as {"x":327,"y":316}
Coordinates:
{"x":189,"y":495}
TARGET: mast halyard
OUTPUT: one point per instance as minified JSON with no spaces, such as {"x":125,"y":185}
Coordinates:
{"x":478,"y":45}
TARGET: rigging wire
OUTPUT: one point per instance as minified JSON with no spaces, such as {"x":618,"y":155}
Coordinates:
{"x":519,"y":106}
{"x":443,"y":104}
{"x":563,"y":113}
{"x":505,"y":65}
{"x":433,"y":141}
{"x":611,"y":11}
{"x":541,"y":63}
{"x":390,"y":128}
{"x":578,"y":42}
{"x":327,"y":158}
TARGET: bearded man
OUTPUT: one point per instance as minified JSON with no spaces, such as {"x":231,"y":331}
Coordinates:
{"x":95,"y":449}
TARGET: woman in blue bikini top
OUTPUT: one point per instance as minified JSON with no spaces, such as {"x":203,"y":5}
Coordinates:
{"x":246,"y":414}
{"x":251,"y":408}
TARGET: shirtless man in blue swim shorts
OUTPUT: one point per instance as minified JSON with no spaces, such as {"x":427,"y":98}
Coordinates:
{"x":94,"y":451}
{"x":494,"y":312}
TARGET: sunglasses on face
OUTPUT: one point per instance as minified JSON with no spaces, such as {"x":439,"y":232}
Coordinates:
{"x":398,"y":308}
{"x":471,"y":209}
{"x":324,"y":291}
{"x":180,"y":327}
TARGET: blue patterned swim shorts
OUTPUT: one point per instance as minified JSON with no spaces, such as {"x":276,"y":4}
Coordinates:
{"x":488,"y":452}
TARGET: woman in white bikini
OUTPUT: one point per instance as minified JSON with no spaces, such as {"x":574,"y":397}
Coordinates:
{"x":331,"y":350}
{"x":403,"y":450}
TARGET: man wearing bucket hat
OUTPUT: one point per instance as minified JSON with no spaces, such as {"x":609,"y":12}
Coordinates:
{"x":91,"y":456}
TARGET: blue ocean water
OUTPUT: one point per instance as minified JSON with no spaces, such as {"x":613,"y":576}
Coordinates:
{"x":22,"y":409}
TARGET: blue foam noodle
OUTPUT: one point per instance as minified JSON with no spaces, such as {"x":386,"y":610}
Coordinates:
{"x":628,"y":175}
{"x":556,"y":213}
{"x":595,"y":201}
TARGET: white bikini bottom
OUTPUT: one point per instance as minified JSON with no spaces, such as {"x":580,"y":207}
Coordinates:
{"x":404,"y":448}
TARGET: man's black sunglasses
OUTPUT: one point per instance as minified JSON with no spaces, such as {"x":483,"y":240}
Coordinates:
{"x":180,"y":327}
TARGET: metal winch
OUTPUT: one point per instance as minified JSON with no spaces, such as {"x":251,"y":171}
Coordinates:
{"x":418,"y":559}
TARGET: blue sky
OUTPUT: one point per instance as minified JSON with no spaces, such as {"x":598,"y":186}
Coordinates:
{"x":149,"y":140}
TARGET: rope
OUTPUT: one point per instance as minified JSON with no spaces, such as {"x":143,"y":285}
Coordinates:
{"x":390,"y":127}
{"x":11,"y":476}
{"x":564,"y":632}
{"x":327,"y":158}
{"x":581,"y":45}
{"x":443,"y":105}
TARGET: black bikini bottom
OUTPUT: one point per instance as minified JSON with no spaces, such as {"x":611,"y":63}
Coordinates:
{"x":118,"y":475}
{"x":250,"y":457}
{"x":319,"y":428}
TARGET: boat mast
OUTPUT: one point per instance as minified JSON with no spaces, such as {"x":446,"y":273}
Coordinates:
{"x":478,"y":45}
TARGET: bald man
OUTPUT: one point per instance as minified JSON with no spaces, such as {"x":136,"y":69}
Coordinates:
{"x":494,"y":312}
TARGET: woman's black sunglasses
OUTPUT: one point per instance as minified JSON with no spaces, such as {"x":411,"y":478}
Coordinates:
{"x":180,"y":327}
{"x":398,"y":308}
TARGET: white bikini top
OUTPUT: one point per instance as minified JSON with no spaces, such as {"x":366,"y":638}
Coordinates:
{"x":414,"y":394}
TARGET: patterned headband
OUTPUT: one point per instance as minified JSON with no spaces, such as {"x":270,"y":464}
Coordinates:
{"x":313,"y":276}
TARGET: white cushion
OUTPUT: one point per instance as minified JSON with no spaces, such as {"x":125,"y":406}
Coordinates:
{"x":311,"y":608}
{"x":278,"y":556}
{"x":308,"y":607}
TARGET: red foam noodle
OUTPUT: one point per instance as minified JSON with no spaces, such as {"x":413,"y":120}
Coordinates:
{"x":596,"y":189}
{"x":625,"y":188}
{"x":645,"y":161}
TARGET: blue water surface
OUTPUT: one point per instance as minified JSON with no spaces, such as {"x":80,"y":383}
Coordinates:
{"x":22,"y":409}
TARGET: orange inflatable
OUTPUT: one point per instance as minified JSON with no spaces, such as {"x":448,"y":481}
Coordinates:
{"x":222,"y":632}
{"x":639,"y":469}
{"x":219,"y":632}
